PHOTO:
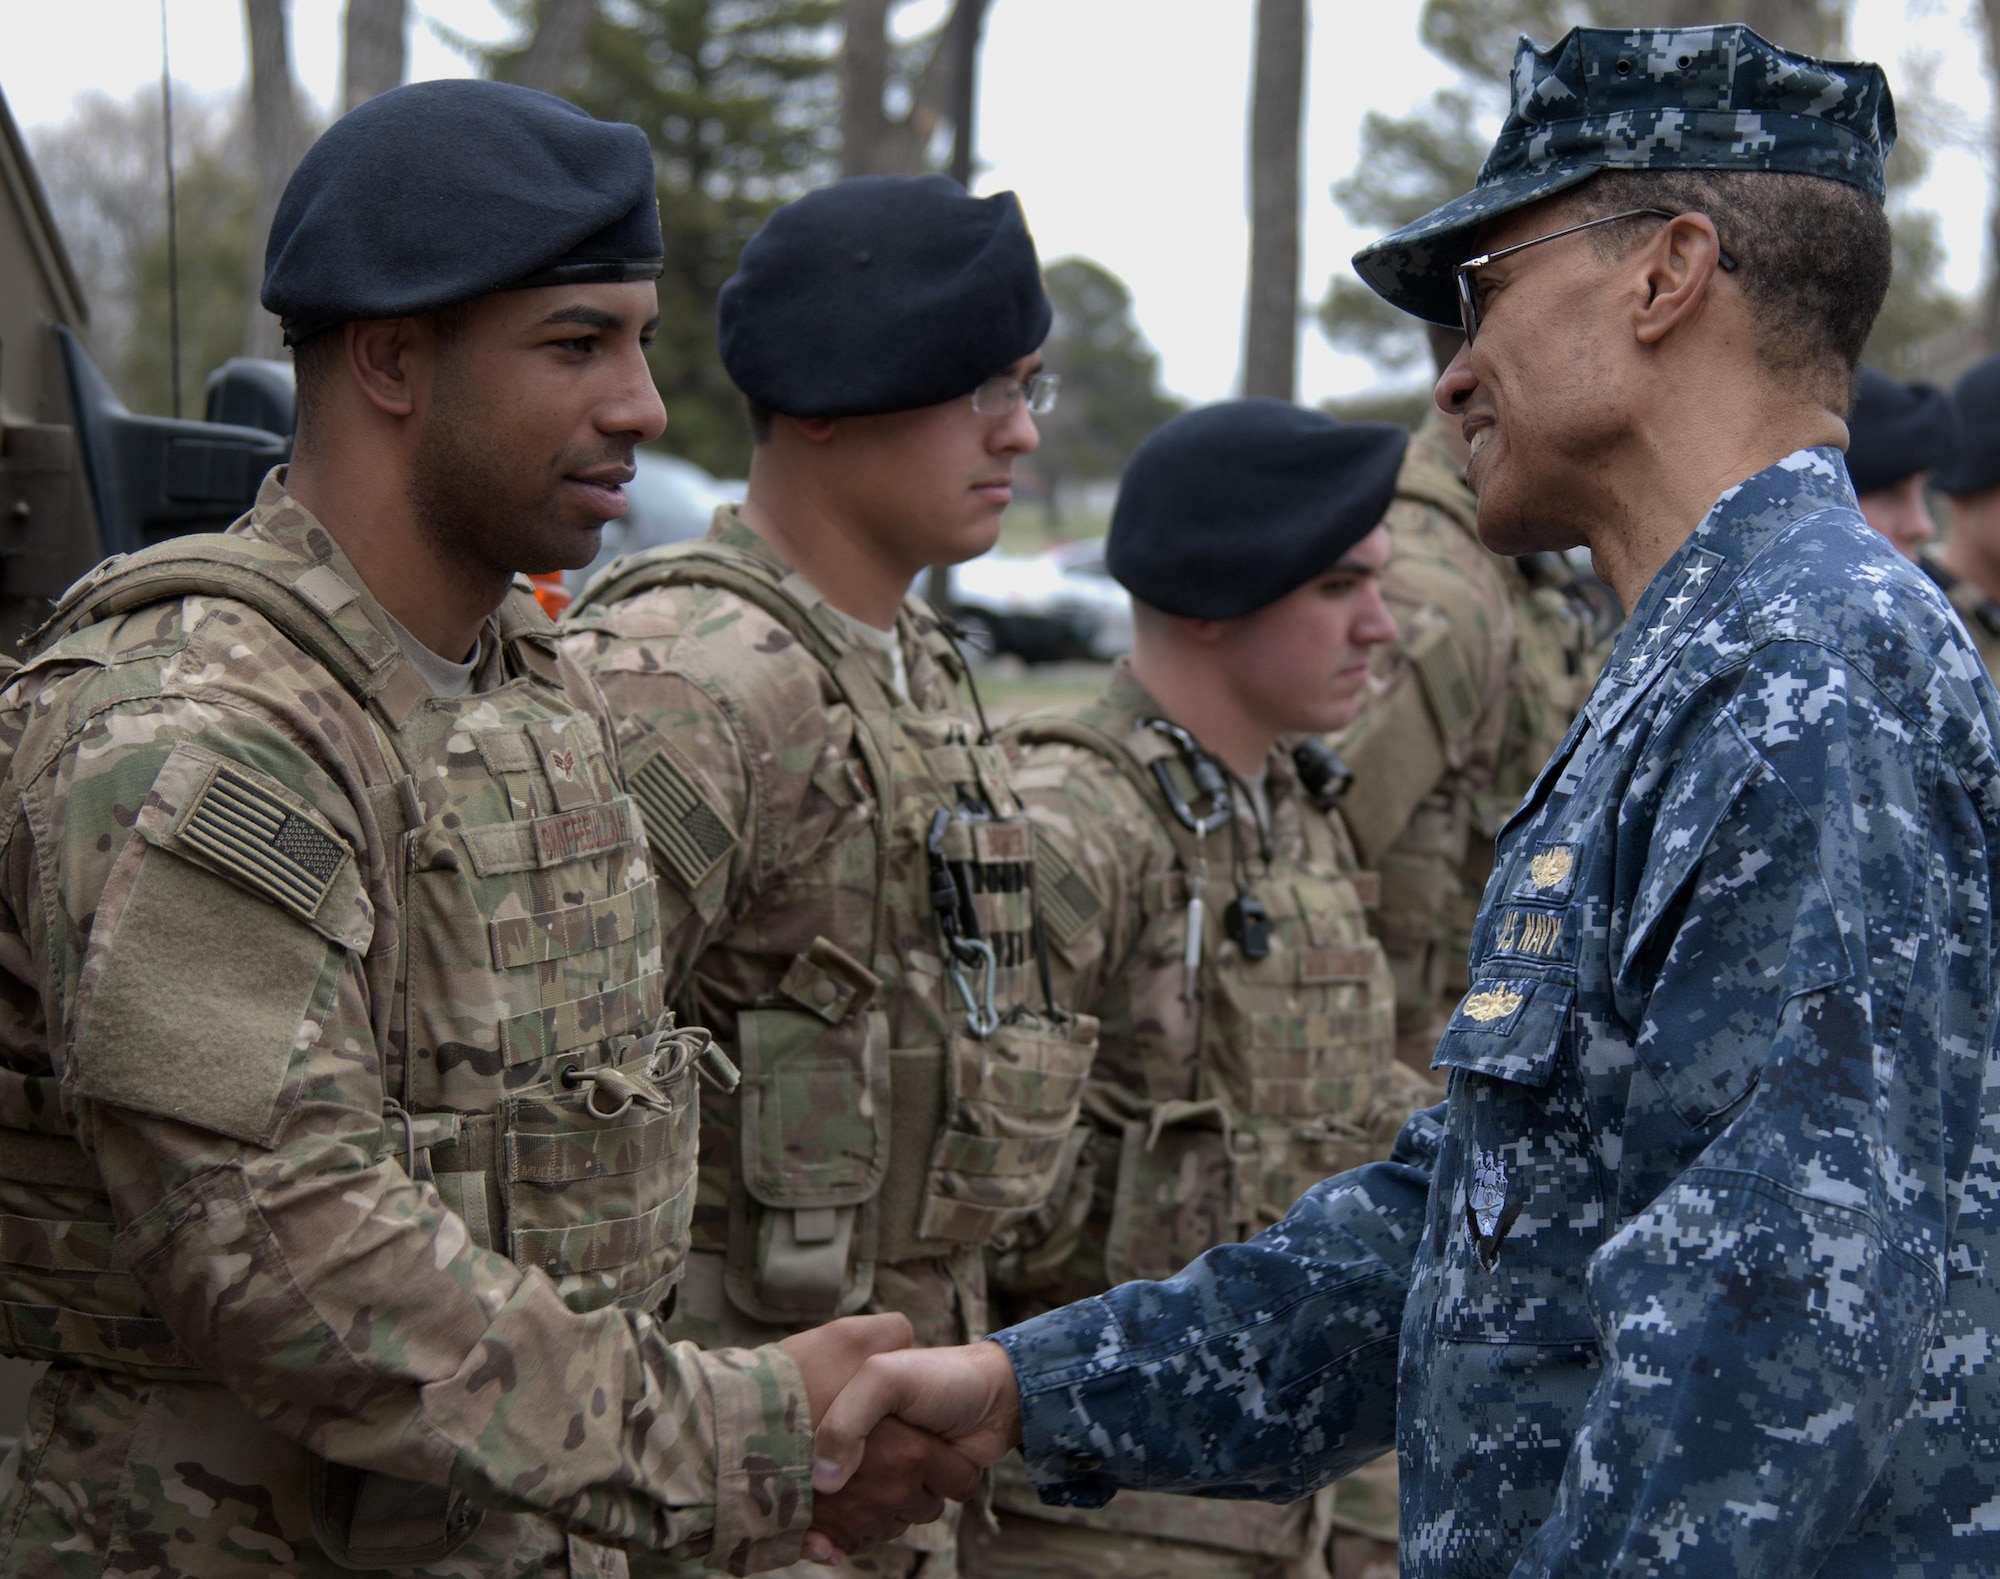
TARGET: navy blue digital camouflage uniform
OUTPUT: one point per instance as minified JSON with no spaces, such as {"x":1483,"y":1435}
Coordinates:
{"x":1692,"y":1267}
{"x":1693,"y":1270}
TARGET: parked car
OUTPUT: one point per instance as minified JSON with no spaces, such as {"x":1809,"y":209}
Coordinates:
{"x":668,"y":500}
{"x":1042,"y":607}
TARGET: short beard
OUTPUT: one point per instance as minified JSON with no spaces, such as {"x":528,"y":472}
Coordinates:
{"x":476,"y":505}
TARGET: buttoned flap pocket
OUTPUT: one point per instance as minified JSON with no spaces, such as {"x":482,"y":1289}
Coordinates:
{"x":1509,"y":1027}
{"x":1011,"y":1099}
{"x":815,"y":1095}
{"x":601,"y":1204}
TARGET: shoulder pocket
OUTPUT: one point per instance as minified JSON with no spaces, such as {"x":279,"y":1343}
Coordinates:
{"x":1509,"y":1027}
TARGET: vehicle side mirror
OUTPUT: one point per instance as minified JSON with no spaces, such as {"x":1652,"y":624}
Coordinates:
{"x":157,"y":477}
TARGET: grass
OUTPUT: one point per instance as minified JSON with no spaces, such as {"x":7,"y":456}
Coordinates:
{"x":1025,"y":528}
{"x":1010,"y":688}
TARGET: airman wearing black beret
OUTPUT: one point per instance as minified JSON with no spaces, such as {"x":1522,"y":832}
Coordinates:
{"x":1896,"y":434}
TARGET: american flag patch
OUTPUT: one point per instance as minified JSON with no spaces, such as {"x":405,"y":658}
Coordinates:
{"x":687,"y":836}
{"x":247,"y":831}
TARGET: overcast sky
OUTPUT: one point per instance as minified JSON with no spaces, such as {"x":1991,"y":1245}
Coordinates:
{"x":1122,"y":124}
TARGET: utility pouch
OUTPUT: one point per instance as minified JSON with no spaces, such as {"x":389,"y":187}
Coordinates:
{"x":814,"y":1138}
{"x":1011,"y":1100}
{"x":1176,"y":1190}
{"x":597,"y":1172}
{"x":368,"y":1521}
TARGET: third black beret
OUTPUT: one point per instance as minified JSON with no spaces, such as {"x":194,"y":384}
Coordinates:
{"x":881,"y":293}
{"x":438,"y":192}
{"x":1974,"y":463}
{"x":1896,"y":430}
{"x":1228,"y":508}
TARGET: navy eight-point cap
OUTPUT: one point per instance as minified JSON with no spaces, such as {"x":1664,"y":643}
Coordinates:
{"x":1228,"y":508}
{"x":881,"y":293}
{"x":439,"y":192}
{"x":1697,"y":98}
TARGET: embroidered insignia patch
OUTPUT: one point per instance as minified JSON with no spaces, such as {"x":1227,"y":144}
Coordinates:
{"x":1487,"y":1214}
{"x":683,"y":829}
{"x":246,"y":830}
{"x":1551,"y":866}
{"x":1496,"y":1003}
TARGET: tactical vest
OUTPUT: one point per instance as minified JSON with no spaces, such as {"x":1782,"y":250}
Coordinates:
{"x":534,"y":1078}
{"x":851,"y":1153}
{"x":1291,"y":1047}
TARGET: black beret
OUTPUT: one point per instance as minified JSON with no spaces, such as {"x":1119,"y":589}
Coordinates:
{"x":1896,"y":430}
{"x":881,"y":293}
{"x":1228,"y":508}
{"x":1974,"y":463}
{"x":436,"y":193}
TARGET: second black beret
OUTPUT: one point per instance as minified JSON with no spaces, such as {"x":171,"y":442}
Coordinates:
{"x":1974,"y":463}
{"x":881,"y":293}
{"x":1228,"y":508}
{"x":1896,"y":430}
{"x":439,"y":192}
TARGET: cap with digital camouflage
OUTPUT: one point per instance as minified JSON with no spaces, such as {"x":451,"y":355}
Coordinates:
{"x":1700,"y":98}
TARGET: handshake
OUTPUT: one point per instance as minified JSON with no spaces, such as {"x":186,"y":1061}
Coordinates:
{"x":897,"y":1430}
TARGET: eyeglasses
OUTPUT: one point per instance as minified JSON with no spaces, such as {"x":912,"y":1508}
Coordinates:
{"x":998,"y":397}
{"x":1468,"y":301}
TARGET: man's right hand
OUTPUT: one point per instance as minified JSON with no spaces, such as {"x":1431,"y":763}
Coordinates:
{"x":967,"y":1395}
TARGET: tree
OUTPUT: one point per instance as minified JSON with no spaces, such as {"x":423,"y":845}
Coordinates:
{"x":558,"y":38}
{"x":1111,"y":397}
{"x":1410,"y":164}
{"x":102,"y":173}
{"x":376,"y":49}
{"x":740,"y":99}
{"x":279,"y":136}
{"x":895,"y":98}
{"x":1277,"y":104}
{"x":1989,"y":305}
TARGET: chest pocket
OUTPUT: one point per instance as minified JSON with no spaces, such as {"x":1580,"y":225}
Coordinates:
{"x":1516,"y":1206}
{"x":533,"y":924}
{"x":1300,"y":1033}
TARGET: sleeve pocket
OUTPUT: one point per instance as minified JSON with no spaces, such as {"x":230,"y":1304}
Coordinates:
{"x":1510,"y":1028}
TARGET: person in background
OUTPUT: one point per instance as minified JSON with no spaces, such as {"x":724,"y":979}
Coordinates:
{"x":848,"y":885}
{"x":1966,"y":566}
{"x":1896,"y":436}
{"x":1204,"y":903}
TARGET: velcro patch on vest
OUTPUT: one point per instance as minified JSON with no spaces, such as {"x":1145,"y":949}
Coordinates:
{"x":1447,"y":683}
{"x":1069,"y":904}
{"x":247,"y":831}
{"x":688,"y":836}
{"x":1342,"y":962}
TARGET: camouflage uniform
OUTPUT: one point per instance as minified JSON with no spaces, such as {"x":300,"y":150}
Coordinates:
{"x":341,"y":1139}
{"x":1692,"y":1270}
{"x":808,"y":801}
{"x":1979,"y":613}
{"x":1222,"y":1090}
{"x":1496,"y":657}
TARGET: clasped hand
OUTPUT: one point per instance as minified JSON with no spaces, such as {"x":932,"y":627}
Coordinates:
{"x":898,"y":1430}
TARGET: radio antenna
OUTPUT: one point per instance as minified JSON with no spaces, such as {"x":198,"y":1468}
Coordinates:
{"x":173,"y":214}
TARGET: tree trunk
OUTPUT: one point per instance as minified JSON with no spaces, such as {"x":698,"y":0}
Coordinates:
{"x":278,"y":138}
{"x":1271,"y":319}
{"x":377,"y":49}
{"x":864,"y":74}
{"x":555,"y":54}
{"x":1989,"y":298}
{"x":968,"y":18}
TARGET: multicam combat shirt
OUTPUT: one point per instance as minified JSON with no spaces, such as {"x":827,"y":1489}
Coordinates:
{"x":1692,"y":1270}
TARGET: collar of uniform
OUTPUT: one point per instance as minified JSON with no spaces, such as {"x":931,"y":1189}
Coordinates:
{"x":1693,"y":582}
{"x":333,"y":586}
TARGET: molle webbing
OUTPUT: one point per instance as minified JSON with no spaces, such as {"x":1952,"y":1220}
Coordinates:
{"x":70,"y":1295}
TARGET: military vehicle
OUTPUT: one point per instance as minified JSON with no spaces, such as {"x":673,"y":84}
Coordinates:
{"x":81,"y":477}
